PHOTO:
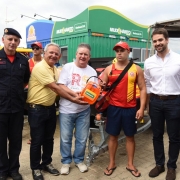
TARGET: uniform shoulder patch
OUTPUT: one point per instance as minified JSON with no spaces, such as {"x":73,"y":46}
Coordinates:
{"x":24,"y":55}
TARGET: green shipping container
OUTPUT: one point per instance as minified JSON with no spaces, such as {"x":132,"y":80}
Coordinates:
{"x":102,"y":28}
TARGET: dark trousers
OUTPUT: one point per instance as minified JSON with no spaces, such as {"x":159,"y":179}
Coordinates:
{"x":168,"y":111}
{"x":42,"y":123}
{"x":11,"y":125}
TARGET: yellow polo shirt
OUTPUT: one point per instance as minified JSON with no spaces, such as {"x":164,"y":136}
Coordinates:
{"x":38,"y":93}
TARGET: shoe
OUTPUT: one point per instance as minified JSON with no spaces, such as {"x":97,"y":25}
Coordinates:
{"x":82,"y":167}
{"x":156,"y":171}
{"x":135,"y":171}
{"x":3,"y":177}
{"x":37,"y":175}
{"x":49,"y":168}
{"x":65,"y":169}
{"x":15,"y":176}
{"x":112,"y":170}
{"x":171,"y":174}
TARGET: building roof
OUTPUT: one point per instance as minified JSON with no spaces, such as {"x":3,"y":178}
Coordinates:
{"x":172,"y":26}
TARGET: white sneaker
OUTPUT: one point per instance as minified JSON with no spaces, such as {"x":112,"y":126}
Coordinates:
{"x":82,"y":167}
{"x":65,"y":169}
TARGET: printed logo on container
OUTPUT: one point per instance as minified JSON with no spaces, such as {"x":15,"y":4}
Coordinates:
{"x":31,"y":33}
{"x":120,"y":31}
{"x":89,"y":94}
{"x":65,"y":30}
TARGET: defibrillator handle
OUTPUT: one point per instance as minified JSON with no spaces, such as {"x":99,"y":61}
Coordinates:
{"x":95,"y":77}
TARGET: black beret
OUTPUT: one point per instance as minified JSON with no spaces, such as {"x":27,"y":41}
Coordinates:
{"x":11,"y":31}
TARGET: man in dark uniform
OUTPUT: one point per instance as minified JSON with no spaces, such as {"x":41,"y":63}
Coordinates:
{"x":14,"y":76}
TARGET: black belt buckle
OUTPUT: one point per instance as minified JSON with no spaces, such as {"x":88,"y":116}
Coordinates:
{"x":40,"y":106}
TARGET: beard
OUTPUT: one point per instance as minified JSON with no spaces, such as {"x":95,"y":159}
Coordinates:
{"x":161,"y":48}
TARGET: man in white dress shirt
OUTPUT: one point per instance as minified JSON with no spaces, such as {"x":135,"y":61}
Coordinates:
{"x":162,"y":75}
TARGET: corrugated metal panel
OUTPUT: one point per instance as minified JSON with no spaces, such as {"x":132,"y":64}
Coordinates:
{"x":72,"y":43}
{"x":102,"y":46}
{"x":45,"y":42}
{"x":61,"y":42}
{"x":137,"y":44}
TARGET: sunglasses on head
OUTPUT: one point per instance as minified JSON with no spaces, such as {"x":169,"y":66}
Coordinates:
{"x":35,"y":48}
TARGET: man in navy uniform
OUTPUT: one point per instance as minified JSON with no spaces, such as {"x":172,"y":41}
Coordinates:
{"x":14,"y":76}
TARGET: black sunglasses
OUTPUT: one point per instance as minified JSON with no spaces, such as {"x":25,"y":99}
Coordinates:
{"x":35,"y":48}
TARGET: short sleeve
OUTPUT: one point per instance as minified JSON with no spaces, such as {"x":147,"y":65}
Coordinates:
{"x":63,"y":78}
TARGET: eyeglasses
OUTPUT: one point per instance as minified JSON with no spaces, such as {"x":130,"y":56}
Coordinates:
{"x":35,"y":48}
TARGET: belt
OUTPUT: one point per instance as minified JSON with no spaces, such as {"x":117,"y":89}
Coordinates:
{"x":164,"y":97}
{"x":40,"y":106}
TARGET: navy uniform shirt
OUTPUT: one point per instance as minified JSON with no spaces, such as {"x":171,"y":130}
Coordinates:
{"x":13,"y":76}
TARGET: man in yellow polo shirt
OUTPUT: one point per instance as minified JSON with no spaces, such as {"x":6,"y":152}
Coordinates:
{"x":42,"y":92}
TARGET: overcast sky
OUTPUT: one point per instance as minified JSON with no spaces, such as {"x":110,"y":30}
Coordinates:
{"x":140,"y":11}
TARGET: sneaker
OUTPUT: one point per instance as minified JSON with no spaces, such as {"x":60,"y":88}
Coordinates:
{"x":171,"y":174}
{"x":156,"y":171}
{"x":65,"y":169}
{"x":82,"y":167}
{"x":15,"y":176}
{"x":37,"y":175}
{"x":50,"y":168}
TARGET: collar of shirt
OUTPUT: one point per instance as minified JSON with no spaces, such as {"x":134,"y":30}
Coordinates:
{"x":53,"y":69}
{"x":3,"y":54}
{"x":166,"y":58}
{"x":170,"y":51}
{"x":47,"y":65}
